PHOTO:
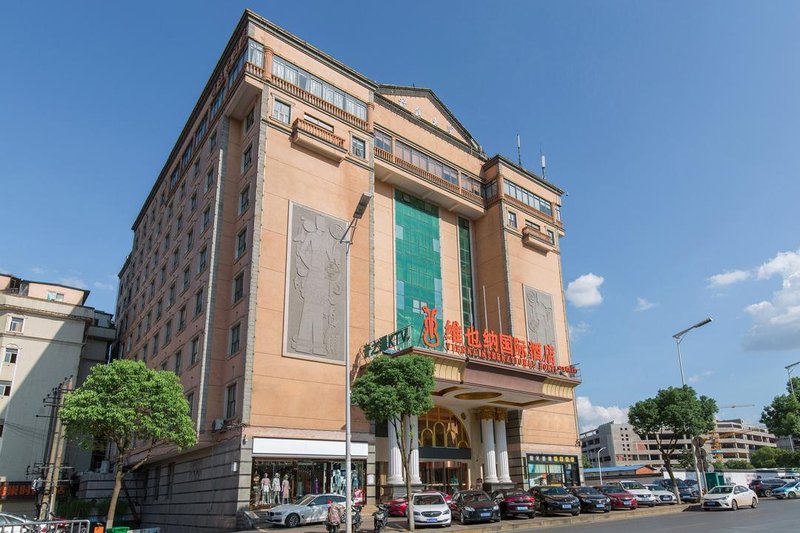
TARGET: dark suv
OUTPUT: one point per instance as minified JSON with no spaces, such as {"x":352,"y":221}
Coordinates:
{"x":689,"y":494}
{"x":764,"y":487}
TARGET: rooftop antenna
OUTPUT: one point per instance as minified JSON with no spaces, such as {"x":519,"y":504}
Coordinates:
{"x":544,"y":163}
{"x":519,"y":151}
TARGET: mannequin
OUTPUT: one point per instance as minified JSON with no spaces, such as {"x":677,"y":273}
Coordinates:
{"x":315,"y":486}
{"x":265,"y":486}
{"x":285,"y":488}
{"x":354,"y":481}
{"x":335,"y":479}
{"x":276,"y":488}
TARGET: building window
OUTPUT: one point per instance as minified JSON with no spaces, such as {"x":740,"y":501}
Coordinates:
{"x":533,"y":225}
{"x":512,"y":219}
{"x":147,"y":321}
{"x":209,"y":180}
{"x":175,"y":255}
{"x":162,"y":276}
{"x":247,"y":157}
{"x":234,"y":336}
{"x":383,"y":141}
{"x":238,"y":287}
{"x":15,"y":324}
{"x":182,"y":318}
{"x":203,"y":259}
{"x":358,"y":147}
{"x":551,"y":236}
{"x":206,"y":218}
{"x":155,"y":344}
{"x":159,"y":305}
{"x":250,"y":119}
{"x":465,"y":263}
{"x":179,"y":223}
{"x":189,"y":240}
{"x":196,"y":170}
{"x":244,"y":199}
{"x":186,"y":278}
{"x":171,"y":296}
{"x":282,"y":112}
{"x":241,"y":243}
{"x":168,"y":333}
{"x":198,"y":302}
{"x":314,"y":120}
{"x":528,"y":198}
{"x":190,"y":401}
{"x":178,"y":362}
{"x":164,"y":365}
{"x":5,"y":388}
{"x":230,"y":401}
{"x":11,"y":355}
{"x":194,"y":350}
{"x":55,"y":296}
{"x":212,"y":142}
{"x":193,"y":203}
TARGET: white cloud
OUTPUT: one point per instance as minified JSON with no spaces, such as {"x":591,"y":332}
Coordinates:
{"x":576,"y":331}
{"x":642,"y":304}
{"x":590,"y":416}
{"x":37,"y":270}
{"x":73,"y":281}
{"x":585,"y":291}
{"x":104,"y":286}
{"x":727,"y":278}
{"x":698,"y":377}
{"x":776,"y":323}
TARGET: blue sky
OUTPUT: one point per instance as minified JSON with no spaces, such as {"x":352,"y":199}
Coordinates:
{"x":672,"y":125}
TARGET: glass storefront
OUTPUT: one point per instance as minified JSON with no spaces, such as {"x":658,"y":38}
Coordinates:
{"x":302,"y":476}
{"x":551,"y":469}
{"x":444,"y":476}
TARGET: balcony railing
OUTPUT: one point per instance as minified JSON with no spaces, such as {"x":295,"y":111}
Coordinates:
{"x":318,"y":102}
{"x":526,"y":207}
{"x":427,"y":176}
{"x":255,"y":70}
{"x":316,"y":131}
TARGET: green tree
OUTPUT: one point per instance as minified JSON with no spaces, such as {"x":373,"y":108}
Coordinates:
{"x":720,"y":466}
{"x":782,"y":416}
{"x":585,"y":461}
{"x":686,"y":458}
{"x":392,"y":390}
{"x":673,"y":414}
{"x":126,"y":403}
{"x":770,"y":457}
{"x":738,"y":464}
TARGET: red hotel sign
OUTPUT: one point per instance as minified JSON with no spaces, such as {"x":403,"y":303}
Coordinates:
{"x":491,"y":346}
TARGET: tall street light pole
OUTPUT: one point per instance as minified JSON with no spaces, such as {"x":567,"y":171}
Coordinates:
{"x":789,"y":369}
{"x":599,"y":466}
{"x":347,"y":240}
{"x":678,"y":338}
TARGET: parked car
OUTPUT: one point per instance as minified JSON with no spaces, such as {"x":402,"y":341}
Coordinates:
{"x":554,"y":500}
{"x":474,"y":506}
{"x":12,"y":523}
{"x":764,"y":487}
{"x":643,"y":495}
{"x":515,"y":502}
{"x":620,"y":498}
{"x":687,"y":493}
{"x":399,"y":506}
{"x":789,"y":491}
{"x":663,"y":496}
{"x":430,"y":509}
{"x":729,"y":497}
{"x":592,"y":500}
{"x":311,"y":509}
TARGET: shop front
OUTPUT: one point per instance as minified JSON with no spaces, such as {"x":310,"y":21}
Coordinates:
{"x":552,"y":469}
{"x":286,"y":469}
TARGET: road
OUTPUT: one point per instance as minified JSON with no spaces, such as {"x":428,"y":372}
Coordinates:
{"x":771,"y":515}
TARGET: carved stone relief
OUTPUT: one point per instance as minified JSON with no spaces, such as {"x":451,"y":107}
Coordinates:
{"x":539,"y":315}
{"x":316,"y":286}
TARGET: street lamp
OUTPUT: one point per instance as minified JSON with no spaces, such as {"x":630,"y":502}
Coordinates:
{"x":789,"y":369}
{"x":347,"y":240}
{"x":678,"y":338}
{"x":599,"y":466}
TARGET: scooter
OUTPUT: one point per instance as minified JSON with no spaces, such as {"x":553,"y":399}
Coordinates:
{"x":355,"y":520}
{"x":381,"y":517}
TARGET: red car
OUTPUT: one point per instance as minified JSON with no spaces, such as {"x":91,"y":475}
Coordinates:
{"x":398,"y":506}
{"x":620,"y":499}
{"x":515,"y":502}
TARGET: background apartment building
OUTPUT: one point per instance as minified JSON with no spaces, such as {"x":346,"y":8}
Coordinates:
{"x":620,"y":445}
{"x":237,"y":281}
{"x":47,"y":334}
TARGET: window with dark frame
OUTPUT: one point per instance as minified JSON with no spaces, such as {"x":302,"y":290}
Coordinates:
{"x":250,"y":119}
{"x":194,"y":350}
{"x":198,"y":301}
{"x":238,"y":287}
{"x":230,"y":401}
{"x":244,"y":199}
{"x":234,"y":337}
{"x":241,"y":243}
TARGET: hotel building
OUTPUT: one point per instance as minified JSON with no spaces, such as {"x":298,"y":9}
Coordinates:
{"x":238,"y":282}
{"x":47,"y":334}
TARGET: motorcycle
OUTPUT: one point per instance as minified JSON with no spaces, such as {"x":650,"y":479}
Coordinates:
{"x":355,"y":520}
{"x":381,"y":517}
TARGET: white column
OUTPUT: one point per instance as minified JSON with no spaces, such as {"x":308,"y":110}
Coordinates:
{"x":489,"y":455}
{"x":501,"y":444}
{"x":413,"y":466}
{"x":395,"y":476}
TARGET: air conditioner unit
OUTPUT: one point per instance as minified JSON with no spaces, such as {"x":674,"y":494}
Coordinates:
{"x":217,"y":424}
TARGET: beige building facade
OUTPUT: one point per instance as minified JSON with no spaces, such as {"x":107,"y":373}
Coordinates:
{"x":238,"y":281}
{"x":47,"y":334}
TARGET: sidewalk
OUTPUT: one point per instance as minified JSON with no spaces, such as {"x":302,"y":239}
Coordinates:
{"x":397,"y":525}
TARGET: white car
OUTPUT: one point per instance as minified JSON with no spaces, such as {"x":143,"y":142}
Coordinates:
{"x":643,"y":496}
{"x":311,"y":509}
{"x":729,"y":497}
{"x":663,"y":497}
{"x":430,"y":509}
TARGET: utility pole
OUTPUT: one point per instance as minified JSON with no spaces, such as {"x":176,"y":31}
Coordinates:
{"x":56,"y":452}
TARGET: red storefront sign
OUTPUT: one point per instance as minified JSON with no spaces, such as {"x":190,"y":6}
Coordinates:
{"x":491,"y":346}
{"x":22,"y":489}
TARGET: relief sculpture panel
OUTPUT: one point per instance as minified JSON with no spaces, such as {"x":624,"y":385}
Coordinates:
{"x":316,"y":286}
{"x":539,"y":317}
